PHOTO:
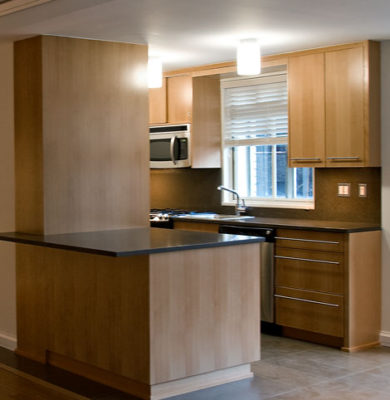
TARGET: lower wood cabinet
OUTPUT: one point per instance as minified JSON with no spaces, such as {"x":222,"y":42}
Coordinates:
{"x":310,"y":270}
{"x":328,"y":285}
{"x":311,"y":311}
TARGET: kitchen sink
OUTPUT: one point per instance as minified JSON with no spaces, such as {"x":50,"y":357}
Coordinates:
{"x":216,"y":217}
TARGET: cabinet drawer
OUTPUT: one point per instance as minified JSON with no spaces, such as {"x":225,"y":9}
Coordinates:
{"x":310,"y":270}
{"x":311,"y":240}
{"x":310,"y":311}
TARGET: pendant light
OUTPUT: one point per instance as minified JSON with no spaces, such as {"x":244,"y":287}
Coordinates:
{"x":248,"y":57}
{"x":155,"y":74}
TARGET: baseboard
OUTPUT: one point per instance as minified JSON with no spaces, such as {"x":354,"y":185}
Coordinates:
{"x":385,"y":338}
{"x":7,"y":341}
{"x":202,"y":381}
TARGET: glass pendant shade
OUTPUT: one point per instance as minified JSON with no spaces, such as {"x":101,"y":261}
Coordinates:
{"x":248,"y":57}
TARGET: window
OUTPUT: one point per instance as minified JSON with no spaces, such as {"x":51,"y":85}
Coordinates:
{"x":255,"y":140}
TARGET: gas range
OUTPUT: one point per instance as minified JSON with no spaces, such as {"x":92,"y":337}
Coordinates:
{"x":160,"y":217}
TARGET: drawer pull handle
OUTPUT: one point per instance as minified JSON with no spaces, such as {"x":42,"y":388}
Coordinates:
{"x":307,"y":301}
{"x":344,"y":158}
{"x":308,"y":259}
{"x":306,"y":240}
{"x":307,"y":159}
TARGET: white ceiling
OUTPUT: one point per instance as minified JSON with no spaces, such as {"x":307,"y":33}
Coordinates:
{"x":196,"y":32}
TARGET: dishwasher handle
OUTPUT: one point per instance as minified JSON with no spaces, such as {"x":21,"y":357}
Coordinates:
{"x":267,"y":233}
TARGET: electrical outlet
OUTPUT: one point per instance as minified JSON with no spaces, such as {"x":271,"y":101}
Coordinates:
{"x":362,"y":189}
{"x":344,"y":189}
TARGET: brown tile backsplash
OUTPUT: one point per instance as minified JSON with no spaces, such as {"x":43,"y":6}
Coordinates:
{"x":196,"y":189}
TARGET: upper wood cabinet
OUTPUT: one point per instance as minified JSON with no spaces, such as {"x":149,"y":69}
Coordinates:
{"x":179,"y":99}
{"x":158,"y":104}
{"x":352,"y":92}
{"x":195,"y":100}
{"x":306,"y":103}
{"x":206,"y":123}
{"x":334,"y":112}
{"x":172,"y":103}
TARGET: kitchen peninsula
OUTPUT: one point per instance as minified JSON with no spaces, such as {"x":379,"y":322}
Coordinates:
{"x":153,"y":313}
{"x":150,"y":311}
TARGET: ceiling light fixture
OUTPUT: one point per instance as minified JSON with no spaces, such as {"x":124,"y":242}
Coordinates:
{"x":248,"y":57}
{"x":155,"y":74}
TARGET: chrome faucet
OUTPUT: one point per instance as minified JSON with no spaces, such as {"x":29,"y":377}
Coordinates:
{"x":237,"y":208}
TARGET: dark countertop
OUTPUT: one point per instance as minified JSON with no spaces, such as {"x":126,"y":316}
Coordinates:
{"x":316,"y":225}
{"x":129,"y":242}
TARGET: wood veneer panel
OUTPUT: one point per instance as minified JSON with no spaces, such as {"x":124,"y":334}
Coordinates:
{"x":372,"y":82}
{"x":310,"y":270}
{"x":28,"y":136}
{"x":345,"y":135}
{"x":158,"y":104}
{"x":100,"y":311}
{"x":306,"y":92}
{"x":204,"y":310}
{"x":206,"y":123}
{"x":81,"y":121}
{"x":310,"y":240}
{"x":87,"y":308}
{"x":300,"y":309}
{"x":32,"y":302}
{"x":95,"y":135}
{"x":364,"y":299}
{"x":179,"y":99}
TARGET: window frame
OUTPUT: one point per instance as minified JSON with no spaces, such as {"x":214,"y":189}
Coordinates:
{"x":227,"y":152}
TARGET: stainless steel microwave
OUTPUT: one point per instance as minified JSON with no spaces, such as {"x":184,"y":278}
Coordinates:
{"x":170,"y":146}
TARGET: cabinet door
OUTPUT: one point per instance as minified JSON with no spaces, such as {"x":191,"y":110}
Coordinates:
{"x":306,"y":95}
{"x":344,"y":76}
{"x":158,"y":105}
{"x":310,"y":311}
{"x":179,"y":99}
{"x":318,"y":271}
{"x":206,"y":123}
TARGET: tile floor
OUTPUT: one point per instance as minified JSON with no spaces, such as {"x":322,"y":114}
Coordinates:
{"x":289,"y":370}
{"x":295,"y":370}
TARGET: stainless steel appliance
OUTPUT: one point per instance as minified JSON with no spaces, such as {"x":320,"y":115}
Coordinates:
{"x":266,"y":265}
{"x":161,"y":217}
{"x":170,"y":146}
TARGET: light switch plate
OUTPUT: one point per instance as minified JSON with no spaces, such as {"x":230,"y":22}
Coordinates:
{"x":362,"y":190}
{"x":344,"y":189}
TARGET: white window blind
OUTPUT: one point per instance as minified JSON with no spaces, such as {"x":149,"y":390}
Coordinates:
{"x":255,"y":110}
{"x":255,"y":144}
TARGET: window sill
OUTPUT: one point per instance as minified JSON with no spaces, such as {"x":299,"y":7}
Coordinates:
{"x":293,"y":204}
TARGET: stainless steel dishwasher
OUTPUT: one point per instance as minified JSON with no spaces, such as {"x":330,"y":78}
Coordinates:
{"x":266,"y":264}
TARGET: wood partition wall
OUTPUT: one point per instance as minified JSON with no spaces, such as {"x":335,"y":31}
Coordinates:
{"x":81,"y":135}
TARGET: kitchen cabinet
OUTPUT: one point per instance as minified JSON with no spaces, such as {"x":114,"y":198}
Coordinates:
{"x":334,"y":111}
{"x":327,"y":286}
{"x":172,"y":103}
{"x":309,"y":281}
{"x":179,"y":99}
{"x":306,"y":105}
{"x":345,"y":107}
{"x":158,"y":104}
{"x":194,"y":100}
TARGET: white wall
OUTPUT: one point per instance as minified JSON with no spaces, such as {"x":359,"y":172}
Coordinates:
{"x":7,"y":211}
{"x":385,"y":337}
